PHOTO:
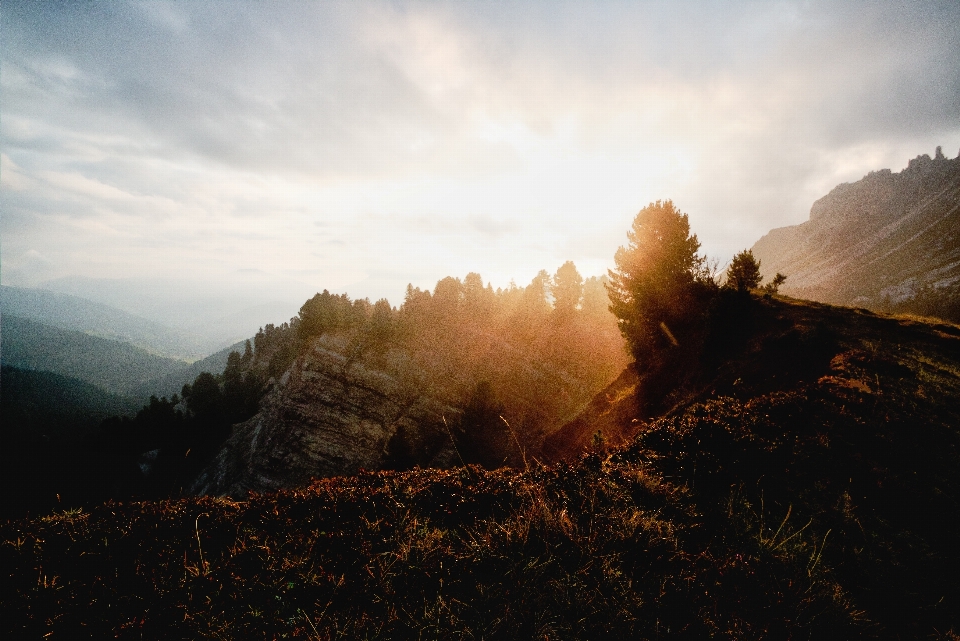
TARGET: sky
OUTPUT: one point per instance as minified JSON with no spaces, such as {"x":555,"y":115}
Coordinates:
{"x":285,"y":148}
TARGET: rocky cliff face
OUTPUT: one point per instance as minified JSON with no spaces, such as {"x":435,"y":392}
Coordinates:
{"x":888,"y":241}
{"x":326,"y":416}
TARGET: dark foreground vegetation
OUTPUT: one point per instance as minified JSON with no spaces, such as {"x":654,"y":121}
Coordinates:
{"x":783,"y":470}
{"x":804,"y":485}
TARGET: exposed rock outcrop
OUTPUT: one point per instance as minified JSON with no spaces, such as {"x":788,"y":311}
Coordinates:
{"x":326,"y":416}
{"x":884,"y":242}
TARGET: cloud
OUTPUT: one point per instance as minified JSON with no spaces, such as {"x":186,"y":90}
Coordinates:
{"x":412,"y":140}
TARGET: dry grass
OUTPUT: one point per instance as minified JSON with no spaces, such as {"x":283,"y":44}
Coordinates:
{"x":787,"y":507}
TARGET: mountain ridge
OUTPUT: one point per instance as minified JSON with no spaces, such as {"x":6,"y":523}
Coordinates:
{"x":890,"y":242}
{"x":112,"y":365}
{"x":75,"y":313}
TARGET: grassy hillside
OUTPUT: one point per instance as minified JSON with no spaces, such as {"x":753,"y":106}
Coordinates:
{"x":798,"y":477}
{"x":111,"y":365}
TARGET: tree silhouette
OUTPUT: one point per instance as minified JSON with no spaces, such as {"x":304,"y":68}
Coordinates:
{"x":654,"y":286}
{"x":774,"y":286}
{"x":535,"y":295}
{"x":743,"y":274}
{"x":567,"y":289}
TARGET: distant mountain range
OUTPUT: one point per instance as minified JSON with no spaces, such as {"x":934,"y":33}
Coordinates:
{"x":94,"y":343}
{"x":82,"y":315}
{"x":111,"y":365}
{"x":215,"y":314}
{"x":890,"y":241}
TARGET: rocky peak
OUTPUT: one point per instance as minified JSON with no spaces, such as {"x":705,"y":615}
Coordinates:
{"x":887,"y":236}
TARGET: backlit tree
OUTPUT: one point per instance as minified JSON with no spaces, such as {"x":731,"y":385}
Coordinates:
{"x":654,"y":286}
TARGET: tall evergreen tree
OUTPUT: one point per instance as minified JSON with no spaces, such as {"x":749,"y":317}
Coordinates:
{"x":567,"y":288}
{"x":653,"y":287}
{"x":743,"y":274}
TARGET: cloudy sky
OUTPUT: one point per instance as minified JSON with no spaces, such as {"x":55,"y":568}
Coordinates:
{"x":362,"y":146}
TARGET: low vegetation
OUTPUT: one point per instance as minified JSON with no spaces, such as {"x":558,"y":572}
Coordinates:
{"x":798,"y":488}
{"x":790,"y":470}
{"x":602,"y":549}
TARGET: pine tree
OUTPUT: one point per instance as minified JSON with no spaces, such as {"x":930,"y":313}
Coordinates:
{"x":567,"y":289}
{"x":654,"y":286}
{"x":743,"y":274}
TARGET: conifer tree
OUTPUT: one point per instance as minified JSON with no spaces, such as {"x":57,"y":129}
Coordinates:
{"x":743,"y":274}
{"x":567,"y":288}
{"x":653,"y":287}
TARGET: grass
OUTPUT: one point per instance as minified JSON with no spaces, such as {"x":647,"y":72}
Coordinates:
{"x":819,"y":504}
{"x":600,"y":549}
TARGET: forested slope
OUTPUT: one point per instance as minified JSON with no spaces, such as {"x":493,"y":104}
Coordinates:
{"x":461,"y":374}
{"x":112,"y":365}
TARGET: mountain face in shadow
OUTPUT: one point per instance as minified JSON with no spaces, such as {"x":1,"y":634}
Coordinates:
{"x":45,"y":420}
{"x":326,"y":416}
{"x":890,"y":241}
{"x":42,"y":404}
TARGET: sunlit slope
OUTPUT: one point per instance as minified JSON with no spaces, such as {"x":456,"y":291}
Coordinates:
{"x":888,"y":241}
{"x":463,"y":374}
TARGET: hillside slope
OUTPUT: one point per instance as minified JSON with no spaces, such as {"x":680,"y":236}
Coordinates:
{"x":889,"y":241}
{"x":82,"y":315}
{"x":800,"y":480}
{"x":170,"y":384}
{"x":465,"y":374}
{"x":841,"y":427}
{"x":45,"y":419}
{"x":38,"y":403}
{"x":111,"y":365}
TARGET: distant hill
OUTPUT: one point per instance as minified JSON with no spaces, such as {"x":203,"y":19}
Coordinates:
{"x":111,"y":365}
{"x":42,"y":403}
{"x":218,"y":313}
{"x":890,"y":241}
{"x":79,"y":314}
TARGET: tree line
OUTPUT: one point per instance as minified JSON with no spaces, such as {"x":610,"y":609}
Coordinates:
{"x":517,"y":362}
